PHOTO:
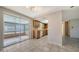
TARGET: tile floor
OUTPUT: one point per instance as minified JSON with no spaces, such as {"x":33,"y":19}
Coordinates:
{"x":38,"y":45}
{"x":72,"y":43}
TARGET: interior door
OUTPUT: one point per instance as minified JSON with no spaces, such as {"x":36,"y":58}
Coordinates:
{"x":67,"y":28}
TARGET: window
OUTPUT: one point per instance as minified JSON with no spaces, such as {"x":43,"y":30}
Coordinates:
{"x":9,"y":24}
{"x":9,"y":27}
{"x":22,"y":28}
{"x":14,"y":24}
{"x":18,"y":28}
{"x":15,"y":29}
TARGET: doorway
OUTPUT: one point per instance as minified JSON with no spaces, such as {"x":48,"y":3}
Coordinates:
{"x":71,"y":34}
{"x":67,"y":29}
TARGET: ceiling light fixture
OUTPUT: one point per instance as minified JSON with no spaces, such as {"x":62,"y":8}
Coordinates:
{"x":72,"y":6}
{"x":32,"y":8}
{"x":44,"y":21}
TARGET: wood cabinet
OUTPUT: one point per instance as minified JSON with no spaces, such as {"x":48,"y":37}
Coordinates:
{"x":36,"y":24}
{"x":39,"y":29}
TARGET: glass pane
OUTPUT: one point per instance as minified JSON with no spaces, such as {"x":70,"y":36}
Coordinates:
{"x":11,"y":30}
{"x":15,"y":30}
{"x":24,"y":29}
{"x":18,"y":38}
{"x":9,"y":27}
{"x":17,"y":27}
{"x":9,"y":18}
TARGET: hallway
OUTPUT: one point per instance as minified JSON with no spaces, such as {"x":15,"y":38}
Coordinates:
{"x":36,"y":45}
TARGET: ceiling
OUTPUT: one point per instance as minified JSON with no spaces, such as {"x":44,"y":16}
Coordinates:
{"x":38,"y":12}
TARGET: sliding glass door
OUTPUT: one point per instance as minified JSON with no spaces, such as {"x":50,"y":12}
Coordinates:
{"x":9,"y":30}
{"x":24,"y":30}
{"x":16,"y":29}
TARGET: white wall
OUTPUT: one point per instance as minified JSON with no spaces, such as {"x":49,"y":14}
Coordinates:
{"x":55,"y":28}
{"x":70,"y":14}
{"x":74,"y":32}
